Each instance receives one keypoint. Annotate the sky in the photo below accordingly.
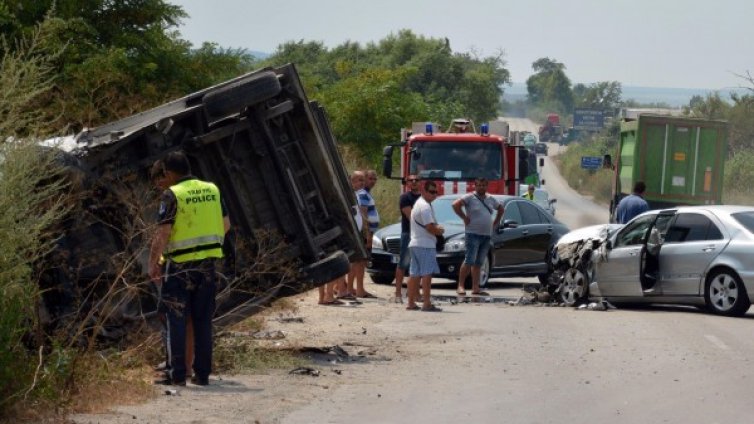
(646, 43)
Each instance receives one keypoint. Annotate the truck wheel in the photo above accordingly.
(231, 99)
(327, 269)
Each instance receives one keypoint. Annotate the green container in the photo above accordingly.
(681, 160)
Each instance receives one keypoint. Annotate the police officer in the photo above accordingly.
(192, 222)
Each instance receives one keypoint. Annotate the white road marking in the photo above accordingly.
(717, 342)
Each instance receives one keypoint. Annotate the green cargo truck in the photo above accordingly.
(680, 159)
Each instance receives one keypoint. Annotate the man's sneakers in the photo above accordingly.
(199, 381)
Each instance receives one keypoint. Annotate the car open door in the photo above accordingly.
(619, 274)
(650, 274)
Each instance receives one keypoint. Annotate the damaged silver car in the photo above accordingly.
(694, 255)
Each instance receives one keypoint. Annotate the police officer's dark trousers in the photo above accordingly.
(189, 293)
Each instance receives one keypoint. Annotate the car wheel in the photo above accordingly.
(574, 288)
(382, 278)
(725, 294)
(484, 273)
(231, 99)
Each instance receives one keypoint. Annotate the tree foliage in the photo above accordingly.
(372, 91)
(550, 85)
(30, 204)
(119, 56)
(605, 95)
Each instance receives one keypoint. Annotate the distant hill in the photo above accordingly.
(674, 97)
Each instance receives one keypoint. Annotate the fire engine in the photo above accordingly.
(454, 159)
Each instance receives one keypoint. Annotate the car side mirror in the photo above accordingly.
(609, 245)
(553, 201)
(541, 162)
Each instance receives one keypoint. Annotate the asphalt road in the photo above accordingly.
(526, 364)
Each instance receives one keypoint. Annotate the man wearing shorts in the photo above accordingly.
(476, 210)
(405, 204)
(424, 229)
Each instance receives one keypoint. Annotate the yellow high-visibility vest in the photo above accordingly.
(198, 230)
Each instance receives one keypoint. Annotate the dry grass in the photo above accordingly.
(99, 381)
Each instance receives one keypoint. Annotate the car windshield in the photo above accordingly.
(746, 219)
(444, 212)
(456, 160)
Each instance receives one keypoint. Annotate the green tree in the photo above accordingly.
(368, 110)
(605, 95)
(711, 106)
(121, 56)
(31, 202)
(416, 78)
(549, 85)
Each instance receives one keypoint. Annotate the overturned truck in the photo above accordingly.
(273, 156)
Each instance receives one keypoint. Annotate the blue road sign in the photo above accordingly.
(588, 119)
(591, 162)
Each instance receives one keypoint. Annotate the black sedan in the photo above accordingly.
(521, 246)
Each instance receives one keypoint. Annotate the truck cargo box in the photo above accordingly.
(681, 160)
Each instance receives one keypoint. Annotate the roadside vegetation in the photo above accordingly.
(550, 90)
(67, 65)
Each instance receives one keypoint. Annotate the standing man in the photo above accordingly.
(423, 248)
(479, 208)
(366, 200)
(405, 204)
(192, 223)
(529, 195)
(632, 205)
(358, 267)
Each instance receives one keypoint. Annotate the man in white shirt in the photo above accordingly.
(424, 232)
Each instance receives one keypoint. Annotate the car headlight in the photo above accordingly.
(377, 243)
(455, 245)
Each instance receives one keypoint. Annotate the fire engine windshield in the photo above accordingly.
(456, 160)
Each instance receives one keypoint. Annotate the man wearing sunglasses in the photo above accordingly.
(423, 248)
(405, 204)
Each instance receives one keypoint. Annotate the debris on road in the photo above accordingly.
(304, 371)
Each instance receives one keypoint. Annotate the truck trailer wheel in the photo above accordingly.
(231, 99)
(327, 269)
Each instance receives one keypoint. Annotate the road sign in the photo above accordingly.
(591, 162)
(588, 119)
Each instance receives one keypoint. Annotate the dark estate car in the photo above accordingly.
(521, 245)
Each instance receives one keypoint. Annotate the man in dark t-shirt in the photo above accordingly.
(405, 204)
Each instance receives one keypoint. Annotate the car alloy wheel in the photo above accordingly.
(484, 273)
(725, 294)
(574, 287)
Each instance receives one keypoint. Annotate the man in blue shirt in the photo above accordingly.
(632, 205)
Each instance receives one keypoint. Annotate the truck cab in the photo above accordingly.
(455, 159)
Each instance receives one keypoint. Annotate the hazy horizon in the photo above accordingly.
(674, 97)
(643, 43)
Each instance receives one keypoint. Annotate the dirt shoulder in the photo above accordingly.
(268, 397)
